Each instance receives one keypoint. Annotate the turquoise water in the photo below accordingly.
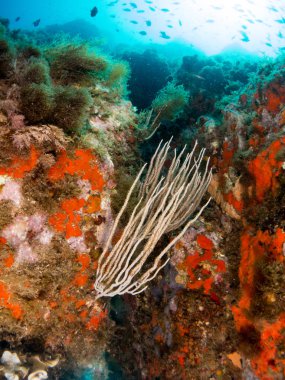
(252, 25)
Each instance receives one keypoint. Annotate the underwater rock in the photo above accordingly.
(55, 214)
(73, 28)
(229, 268)
(149, 74)
(53, 238)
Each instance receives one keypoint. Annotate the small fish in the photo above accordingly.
(244, 27)
(164, 10)
(268, 44)
(180, 22)
(134, 5)
(250, 21)
(169, 26)
(272, 9)
(210, 21)
(148, 1)
(127, 10)
(141, 11)
(143, 32)
(134, 22)
(281, 21)
(112, 3)
(17, 19)
(148, 23)
(280, 35)
(152, 9)
(37, 22)
(245, 37)
(93, 11)
(197, 76)
(164, 35)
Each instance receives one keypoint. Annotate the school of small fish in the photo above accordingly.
(143, 16)
(141, 7)
(138, 12)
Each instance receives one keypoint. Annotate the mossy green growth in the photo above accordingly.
(170, 101)
(30, 51)
(119, 71)
(117, 77)
(36, 102)
(7, 50)
(4, 22)
(75, 65)
(37, 72)
(6, 58)
(71, 107)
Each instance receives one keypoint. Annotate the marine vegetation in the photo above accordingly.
(70, 65)
(6, 53)
(71, 107)
(56, 84)
(117, 77)
(37, 71)
(170, 101)
(37, 102)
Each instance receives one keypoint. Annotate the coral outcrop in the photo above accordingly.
(217, 311)
(55, 213)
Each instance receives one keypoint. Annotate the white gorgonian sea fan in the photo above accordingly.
(166, 202)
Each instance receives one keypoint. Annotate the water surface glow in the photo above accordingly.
(255, 25)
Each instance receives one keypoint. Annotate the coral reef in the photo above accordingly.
(55, 214)
(71, 145)
(217, 311)
(54, 229)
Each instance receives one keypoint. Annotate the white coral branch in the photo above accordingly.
(165, 204)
